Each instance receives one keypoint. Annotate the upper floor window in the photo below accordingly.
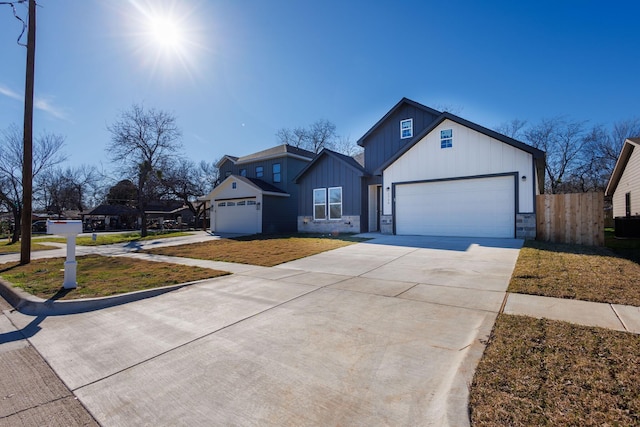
(227, 173)
(259, 171)
(243, 172)
(406, 128)
(446, 138)
(234, 185)
(277, 176)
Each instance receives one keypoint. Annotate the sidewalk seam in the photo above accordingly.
(619, 318)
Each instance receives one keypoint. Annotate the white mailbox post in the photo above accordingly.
(70, 229)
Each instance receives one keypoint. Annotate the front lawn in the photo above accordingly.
(261, 250)
(9, 248)
(113, 238)
(100, 276)
(550, 373)
(578, 272)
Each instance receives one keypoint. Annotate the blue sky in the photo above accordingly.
(244, 69)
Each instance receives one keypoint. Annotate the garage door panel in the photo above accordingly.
(481, 207)
(237, 216)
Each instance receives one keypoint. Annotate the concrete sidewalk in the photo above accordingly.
(610, 316)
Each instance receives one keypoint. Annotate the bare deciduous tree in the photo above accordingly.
(188, 181)
(46, 154)
(320, 134)
(144, 144)
(68, 189)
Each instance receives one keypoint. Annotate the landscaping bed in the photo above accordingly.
(261, 250)
(100, 276)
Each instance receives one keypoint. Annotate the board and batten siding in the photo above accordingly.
(629, 183)
(472, 154)
(325, 174)
(385, 141)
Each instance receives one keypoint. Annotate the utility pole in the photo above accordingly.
(27, 162)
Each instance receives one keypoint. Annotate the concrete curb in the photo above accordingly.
(31, 305)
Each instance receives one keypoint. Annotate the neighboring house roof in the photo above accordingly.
(262, 186)
(273, 152)
(627, 149)
(392, 111)
(349, 161)
(537, 154)
(113, 210)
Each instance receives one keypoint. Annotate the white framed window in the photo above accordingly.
(251, 202)
(277, 177)
(446, 138)
(242, 203)
(231, 203)
(335, 203)
(243, 172)
(319, 203)
(234, 185)
(222, 204)
(406, 128)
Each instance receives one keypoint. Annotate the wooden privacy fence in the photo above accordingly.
(571, 218)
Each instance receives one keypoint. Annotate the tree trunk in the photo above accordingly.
(17, 217)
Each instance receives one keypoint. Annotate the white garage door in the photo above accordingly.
(482, 207)
(237, 216)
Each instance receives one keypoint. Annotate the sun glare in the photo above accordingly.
(165, 32)
(165, 36)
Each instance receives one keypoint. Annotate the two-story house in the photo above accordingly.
(257, 194)
(425, 172)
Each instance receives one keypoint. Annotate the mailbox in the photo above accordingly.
(64, 228)
(70, 229)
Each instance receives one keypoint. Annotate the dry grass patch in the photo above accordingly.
(266, 251)
(544, 372)
(578, 272)
(100, 276)
(8, 248)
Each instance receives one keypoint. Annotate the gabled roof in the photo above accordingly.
(113, 210)
(273, 152)
(627, 149)
(537, 154)
(259, 185)
(402, 102)
(349, 161)
(262, 185)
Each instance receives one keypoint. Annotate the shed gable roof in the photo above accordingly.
(330, 154)
(627, 149)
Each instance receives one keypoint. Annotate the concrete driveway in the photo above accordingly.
(386, 332)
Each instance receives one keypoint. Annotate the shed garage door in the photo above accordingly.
(481, 207)
(237, 216)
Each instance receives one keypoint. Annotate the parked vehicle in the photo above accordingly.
(39, 227)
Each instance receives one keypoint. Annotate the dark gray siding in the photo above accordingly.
(385, 141)
(289, 168)
(329, 172)
(279, 215)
